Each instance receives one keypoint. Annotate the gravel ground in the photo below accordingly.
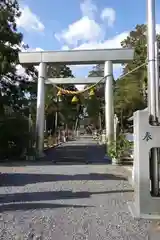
(81, 202)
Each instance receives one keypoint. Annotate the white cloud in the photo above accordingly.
(85, 29)
(108, 14)
(114, 42)
(38, 49)
(87, 33)
(88, 8)
(29, 21)
(65, 48)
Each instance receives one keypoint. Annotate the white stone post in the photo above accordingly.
(115, 127)
(40, 109)
(109, 107)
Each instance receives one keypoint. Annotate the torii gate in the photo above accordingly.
(108, 57)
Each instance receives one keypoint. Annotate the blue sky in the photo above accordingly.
(69, 24)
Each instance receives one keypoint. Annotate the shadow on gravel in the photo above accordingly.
(21, 179)
(36, 206)
(55, 195)
(19, 198)
(72, 153)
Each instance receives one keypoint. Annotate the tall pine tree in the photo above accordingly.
(12, 85)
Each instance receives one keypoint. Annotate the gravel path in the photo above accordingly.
(68, 202)
(85, 202)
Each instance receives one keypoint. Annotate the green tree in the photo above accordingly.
(67, 112)
(127, 99)
(93, 110)
(97, 71)
(95, 104)
(137, 39)
(13, 86)
(9, 10)
(130, 92)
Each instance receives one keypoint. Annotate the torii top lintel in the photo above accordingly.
(75, 57)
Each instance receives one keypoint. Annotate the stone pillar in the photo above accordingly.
(109, 105)
(40, 109)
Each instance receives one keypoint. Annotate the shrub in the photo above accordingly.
(14, 136)
(119, 148)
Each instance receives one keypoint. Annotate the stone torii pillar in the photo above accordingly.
(40, 120)
(109, 105)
